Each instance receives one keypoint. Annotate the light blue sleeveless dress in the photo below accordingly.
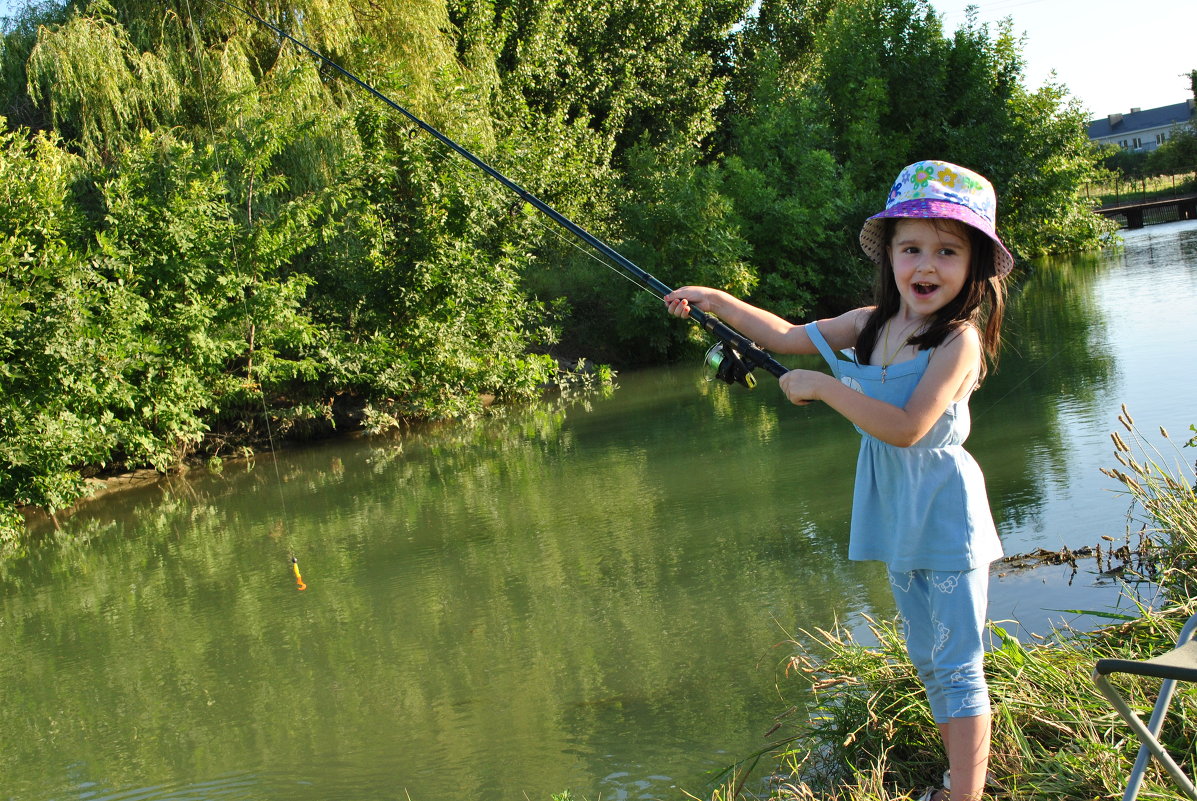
(918, 508)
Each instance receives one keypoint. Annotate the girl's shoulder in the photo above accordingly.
(959, 359)
(842, 331)
(859, 318)
(965, 335)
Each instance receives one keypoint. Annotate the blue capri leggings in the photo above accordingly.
(943, 618)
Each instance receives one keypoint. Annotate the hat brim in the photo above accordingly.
(872, 233)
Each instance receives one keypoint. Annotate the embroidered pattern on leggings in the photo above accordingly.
(948, 585)
(908, 575)
(942, 633)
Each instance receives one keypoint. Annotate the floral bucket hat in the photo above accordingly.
(937, 189)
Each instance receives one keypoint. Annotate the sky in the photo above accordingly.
(1112, 55)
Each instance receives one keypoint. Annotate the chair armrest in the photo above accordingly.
(1180, 664)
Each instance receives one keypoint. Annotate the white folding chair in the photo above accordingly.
(1179, 664)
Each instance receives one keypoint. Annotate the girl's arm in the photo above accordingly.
(950, 375)
(763, 327)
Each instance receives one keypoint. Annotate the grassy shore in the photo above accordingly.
(870, 736)
(1159, 187)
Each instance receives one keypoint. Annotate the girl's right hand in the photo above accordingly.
(801, 386)
(679, 301)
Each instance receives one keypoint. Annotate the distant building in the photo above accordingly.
(1142, 129)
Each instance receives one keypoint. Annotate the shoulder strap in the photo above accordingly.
(816, 336)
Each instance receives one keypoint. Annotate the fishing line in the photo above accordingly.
(745, 355)
(249, 368)
(1020, 382)
(441, 156)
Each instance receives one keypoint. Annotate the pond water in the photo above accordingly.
(593, 595)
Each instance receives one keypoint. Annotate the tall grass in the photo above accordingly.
(1162, 491)
(870, 736)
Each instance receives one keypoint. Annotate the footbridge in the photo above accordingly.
(1138, 214)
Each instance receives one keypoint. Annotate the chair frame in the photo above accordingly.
(1148, 734)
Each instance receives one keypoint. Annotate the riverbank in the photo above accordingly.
(869, 735)
(257, 438)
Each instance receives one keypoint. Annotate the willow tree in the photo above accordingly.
(97, 87)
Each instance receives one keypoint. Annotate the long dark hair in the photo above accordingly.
(980, 303)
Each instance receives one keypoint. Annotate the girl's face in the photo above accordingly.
(931, 260)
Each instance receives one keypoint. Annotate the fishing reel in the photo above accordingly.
(725, 363)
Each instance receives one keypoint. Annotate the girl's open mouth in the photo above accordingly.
(925, 289)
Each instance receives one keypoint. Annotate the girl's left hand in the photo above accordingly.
(801, 386)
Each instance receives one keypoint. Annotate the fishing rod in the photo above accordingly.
(733, 357)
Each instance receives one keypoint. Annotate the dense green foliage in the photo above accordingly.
(205, 232)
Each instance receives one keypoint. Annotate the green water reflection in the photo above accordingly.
(590, 595)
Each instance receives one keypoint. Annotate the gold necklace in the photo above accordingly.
(886, 356)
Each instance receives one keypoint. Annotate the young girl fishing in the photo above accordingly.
(911, 363)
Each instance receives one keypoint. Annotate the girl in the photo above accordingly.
(919, 503)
